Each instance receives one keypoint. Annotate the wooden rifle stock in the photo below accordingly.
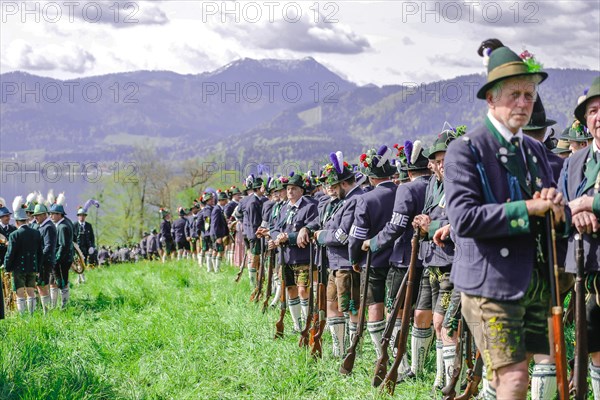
(269, 280)
(261, 271)
(348, 362)
(303, 342)
(283, 307)
(557, 312)
(449, 391)
(382, 362)
(473, 379)
(389, 383)
(580, 388)
(239, 274)
(316, 340)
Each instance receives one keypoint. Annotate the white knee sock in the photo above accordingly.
(419, 344)
(31, 303)
(395, 331)
(208, 261)
(376, 329)
(252, 276)
(54, 296)
(304, 309)
(439, 363)
(21, 305)
(543, 382)
(595, 375)
(277, 294)
(295, 312)
(337, 327)
(448, 354)
(45, 303)
(65, 296)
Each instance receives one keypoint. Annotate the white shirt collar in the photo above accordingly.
(595, 146)
(61, 220)
(506, 134)
(297, 205)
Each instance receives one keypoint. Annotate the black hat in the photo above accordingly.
(538, 117)
(413, 156)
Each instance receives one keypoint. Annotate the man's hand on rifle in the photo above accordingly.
(441, 235)
(262, 232)
(366, 245)
(583, 203)
(282, 238)
(271, 245)
(356, 268)
(303, 238)
(315, 237)
(586, 222)
(549, 199)
(421, 222)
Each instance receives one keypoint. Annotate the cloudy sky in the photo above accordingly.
(381, 42)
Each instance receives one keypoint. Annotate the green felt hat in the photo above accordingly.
(538, 117)
(274, 185)
(234, 190)
(163, 212)
(336, 171)
(576, 133)
(562, 147)
(20, 214)
(503, 63)
(40, 209)
(207, 196)
(222, 195)
(295, 179)
(253, 182)
(376, 163)
(445, 138)
(593, 92)
(57, 209)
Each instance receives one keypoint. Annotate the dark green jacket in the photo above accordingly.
(24, 254)
(64, 243)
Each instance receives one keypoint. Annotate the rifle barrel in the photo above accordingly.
(348, 362)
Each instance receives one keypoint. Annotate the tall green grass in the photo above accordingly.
(174, 331)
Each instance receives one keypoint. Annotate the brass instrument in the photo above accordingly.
(78, 264)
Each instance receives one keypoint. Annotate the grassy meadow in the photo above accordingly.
(173, 331)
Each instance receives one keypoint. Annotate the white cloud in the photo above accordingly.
(305, 35)
(68, 57)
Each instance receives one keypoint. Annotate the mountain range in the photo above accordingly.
(249, 110)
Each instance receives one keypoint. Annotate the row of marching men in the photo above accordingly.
(39, 249)
(479, 239)
(204, 231)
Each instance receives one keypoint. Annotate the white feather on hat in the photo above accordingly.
(417, 146)
(17, 203)
(31, 197)
(2, 202)
(60, 200)
(387, 156)
(39, 198)
(50, 198)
